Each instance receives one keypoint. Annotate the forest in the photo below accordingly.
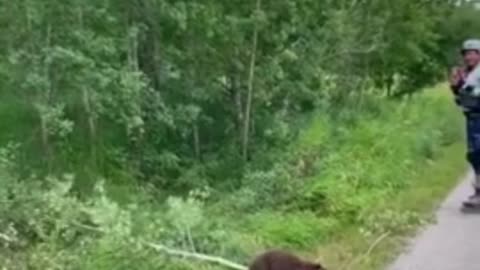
(223, 128)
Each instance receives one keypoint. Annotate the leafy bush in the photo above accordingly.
(331, 176)
(291, 230)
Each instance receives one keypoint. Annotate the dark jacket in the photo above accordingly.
(463, 92)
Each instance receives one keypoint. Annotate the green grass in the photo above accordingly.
(382, 172)
(328, 194)
(431, 186)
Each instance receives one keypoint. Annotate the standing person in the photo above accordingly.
(465, 84)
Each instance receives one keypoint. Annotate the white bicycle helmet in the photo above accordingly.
(471, 44)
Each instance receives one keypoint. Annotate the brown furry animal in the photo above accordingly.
(281, 260)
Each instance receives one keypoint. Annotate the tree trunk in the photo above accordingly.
(45, 101)
(389, 85)
(237, 99)
(196, 141)
(251, 77)
(87, 106)
(92, 129)
(45, 140)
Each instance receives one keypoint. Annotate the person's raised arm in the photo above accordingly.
(457, 79)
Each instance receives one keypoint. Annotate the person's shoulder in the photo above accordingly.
(473, 77)
(476, 71)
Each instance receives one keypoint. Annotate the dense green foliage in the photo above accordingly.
(158, 87)
(331, 177)
(196, 123)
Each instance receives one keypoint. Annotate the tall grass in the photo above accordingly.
(332, 179)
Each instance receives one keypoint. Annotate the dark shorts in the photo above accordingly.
(473, 133)
(473, 142)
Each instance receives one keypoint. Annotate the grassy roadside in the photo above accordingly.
(330, 194)
(433, 183)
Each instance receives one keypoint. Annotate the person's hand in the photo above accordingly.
(456, 76)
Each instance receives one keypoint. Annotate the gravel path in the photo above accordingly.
(452, 243)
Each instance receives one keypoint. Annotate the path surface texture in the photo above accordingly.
(452, 243)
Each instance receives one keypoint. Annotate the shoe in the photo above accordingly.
(472, 201)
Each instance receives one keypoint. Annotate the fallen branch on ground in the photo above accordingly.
(197, 256)
(6, 238)
(88, 227)
(176, 252)
(369, 251)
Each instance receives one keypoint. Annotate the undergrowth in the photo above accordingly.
(337, 178)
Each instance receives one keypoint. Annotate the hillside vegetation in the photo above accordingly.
(222, 127)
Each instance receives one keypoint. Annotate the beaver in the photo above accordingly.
(282, 260)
